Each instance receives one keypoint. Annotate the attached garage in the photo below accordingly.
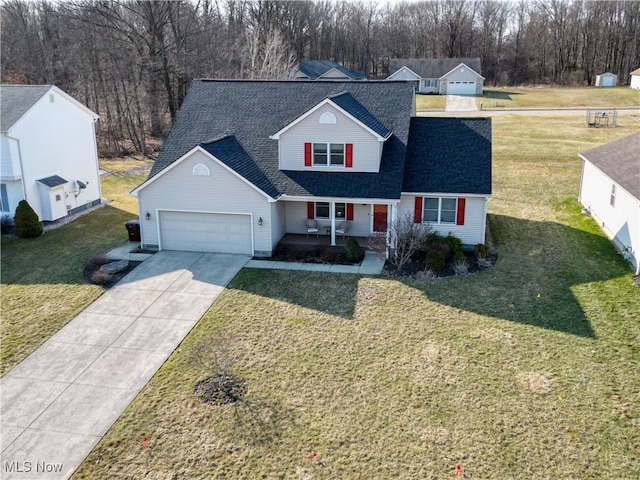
(461, 88)
(205, 232)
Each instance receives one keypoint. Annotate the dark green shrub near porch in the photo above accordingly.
(435, 260)
(26, 222)
(353, 251)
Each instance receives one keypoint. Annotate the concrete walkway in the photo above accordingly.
(460, 103)
(59, 402)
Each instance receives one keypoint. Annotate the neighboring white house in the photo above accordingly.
(442, 76)
(606, 79)
(247, 162)
(48, 152)
(610, 190)
(635, 79)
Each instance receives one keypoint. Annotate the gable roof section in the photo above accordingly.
(252, 110)
(318, 68)
(449, 155)
(636, 72)
(16, 100)
(354, 108)
(400, 70)
(433, 67)
(619, 160)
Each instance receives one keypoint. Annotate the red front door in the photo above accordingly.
(379, 218)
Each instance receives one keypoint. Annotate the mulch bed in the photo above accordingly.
(106, 281)
(415, 268)
(318, 254)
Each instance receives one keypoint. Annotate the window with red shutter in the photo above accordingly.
(417, 214)
(349, 155)
(460, 212)
(311, 210)
(307, 154)
(350, 212)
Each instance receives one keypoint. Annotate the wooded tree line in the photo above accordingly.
(132, 61)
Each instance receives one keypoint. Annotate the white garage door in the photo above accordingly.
(205, 232)
(461, 88)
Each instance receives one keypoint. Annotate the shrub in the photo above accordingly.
(26, 222)
(461, 266)
(353, 250)
(99, 277)
(454, 243)
(481, 250)
(435, 260)
(6, 224)
(459, 257)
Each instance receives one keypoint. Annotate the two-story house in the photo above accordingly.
(247, 162)
(48, 152)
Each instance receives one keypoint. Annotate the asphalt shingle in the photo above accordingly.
(433, 67)
(316, 68)
(16, 100)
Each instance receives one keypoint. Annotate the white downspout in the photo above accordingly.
(332, 215)
(24, 190)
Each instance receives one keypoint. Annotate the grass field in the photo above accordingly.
(527, 370)
(427, 103)
(42, 283)
(558, 97)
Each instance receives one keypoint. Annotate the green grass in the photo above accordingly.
(558, 97)
(42, 280)
(425, 103)
(526, 370)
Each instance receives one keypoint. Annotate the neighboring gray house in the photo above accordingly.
(634, 82)
(606, 79)
(323, 70)
(441, 76)
(247, 162)
(610, 191)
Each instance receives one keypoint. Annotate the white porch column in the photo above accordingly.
(391, 228)
(332, 215)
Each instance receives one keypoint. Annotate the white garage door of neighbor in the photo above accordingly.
(206, 232)
(461, 88)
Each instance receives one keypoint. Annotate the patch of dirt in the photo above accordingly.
(316, 254)
(220, 391)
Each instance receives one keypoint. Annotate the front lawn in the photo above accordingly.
(42, 278)
(526, 370)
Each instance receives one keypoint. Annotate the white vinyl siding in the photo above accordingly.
(473, 230)
(296, 217)
(621, 222)
(366, 148)
(221, 192)
(463, 81)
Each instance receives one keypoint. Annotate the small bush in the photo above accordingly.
(461, 266)
(26, 222)
(435, 260)
(454, 243)
(484, 263)
(6, 224)
(459, 257)
(353, 250)
(100, 278)
(481, 250)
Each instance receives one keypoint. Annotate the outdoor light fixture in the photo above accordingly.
(260, 221)
(147, 216)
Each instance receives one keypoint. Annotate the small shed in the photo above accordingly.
(606, 79)
(635, 79)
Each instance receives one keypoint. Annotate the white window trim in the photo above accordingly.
(612, 198)
(440, 222)
(328, 155)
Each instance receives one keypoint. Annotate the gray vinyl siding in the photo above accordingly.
(473, 230)
(223, 192)
(366, 157)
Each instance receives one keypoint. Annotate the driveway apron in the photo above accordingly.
(60, 401)
(460, 103)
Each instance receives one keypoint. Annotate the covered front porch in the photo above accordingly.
(310, 242)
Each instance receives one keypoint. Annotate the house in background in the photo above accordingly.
(606, 79)
(324, 70)
(635, 79)
(441, 76)
(246, 163)
(48, 152)
(610, 191)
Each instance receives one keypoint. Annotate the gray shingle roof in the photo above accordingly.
(449, 155)
(52, 181)
(433, 67)
(252, 111)
(349, 104)
(316, 68)
(620, 160)
(15, 100)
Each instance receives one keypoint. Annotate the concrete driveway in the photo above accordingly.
(460, 103)
(60, 401)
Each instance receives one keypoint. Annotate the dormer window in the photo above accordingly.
(328, 154)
